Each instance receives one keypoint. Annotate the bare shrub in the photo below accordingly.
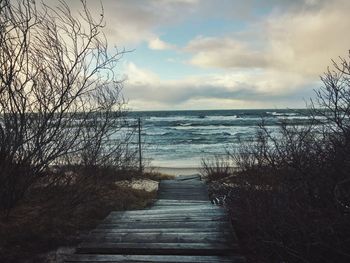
(59, 94)
(289, 196)
(215, 168)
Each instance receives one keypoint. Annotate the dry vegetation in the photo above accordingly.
(64, 138)
(157, 176)
(289, 195)
(36, 226)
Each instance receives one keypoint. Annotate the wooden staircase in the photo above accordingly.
(182, 226)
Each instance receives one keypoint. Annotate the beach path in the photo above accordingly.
(181, 226)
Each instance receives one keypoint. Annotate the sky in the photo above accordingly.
(224, 54)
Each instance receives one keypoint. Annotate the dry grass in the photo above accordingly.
(30, 231)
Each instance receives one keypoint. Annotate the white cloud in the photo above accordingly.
(158, 44)
(136, 76)
(224, 52)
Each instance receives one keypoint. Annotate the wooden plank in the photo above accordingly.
(162, 230)
(165, 221)
(158, 213)
(172, 210)
(181, 201)
(198, 214)
(155, 225)
(124, 232)
(184, 197)
(170, 214)
(176, 210)
(157, 248)
(211, 216)
(176, 238)
(181, 204)
(173, 219)
(165, 235)
(154, 258)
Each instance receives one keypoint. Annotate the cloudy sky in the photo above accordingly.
(224, 54)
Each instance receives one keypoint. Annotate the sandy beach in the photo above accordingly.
(174, 170)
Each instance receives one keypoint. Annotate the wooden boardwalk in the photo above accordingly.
(182, 226)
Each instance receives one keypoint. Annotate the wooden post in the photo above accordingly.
(140, 154)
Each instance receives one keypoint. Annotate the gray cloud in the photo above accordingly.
(182, 97)
(301, 42)
(146, 88)
(225, 52)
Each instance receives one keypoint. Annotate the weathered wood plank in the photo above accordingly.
(155, 258)
(166, 217)
(157, 248)
(169, 225)
(181, 201)
(168, 211)
(157, 210)
(198, 215)
(161, 239)
(166, 220)
(174, 204)
(162, 230)
(165, 235)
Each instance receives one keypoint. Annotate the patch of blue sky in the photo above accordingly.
(181, 34)
(167, 64)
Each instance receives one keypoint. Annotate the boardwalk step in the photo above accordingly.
(160, 239)
(169, 225)
(161, 220)
(181, 201)
(155, 258)
(157, 248)
(170, 215)
(181, 226)
(158, 210)
(178, 235)
(162, 230)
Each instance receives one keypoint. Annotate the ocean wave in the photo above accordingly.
(183, 119)
(213, 133)
(155, 133)
(174, 118)
(222, 118)
(180, 128)
(185, 124)
(275, 113)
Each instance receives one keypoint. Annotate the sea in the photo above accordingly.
(181, 139)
